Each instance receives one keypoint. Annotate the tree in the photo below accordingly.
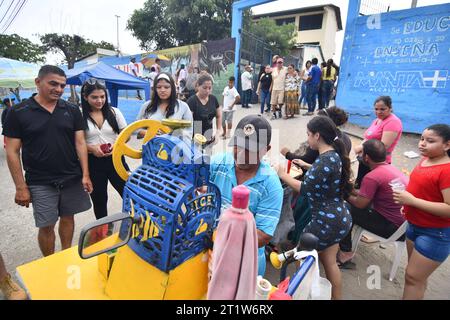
(17, 48)
(150, 26)
(280, 38)
(73, 47)
(166, 23)
(199, 20)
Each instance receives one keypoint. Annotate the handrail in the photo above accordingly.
(302, 272)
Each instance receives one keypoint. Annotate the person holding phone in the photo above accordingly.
(103, 125)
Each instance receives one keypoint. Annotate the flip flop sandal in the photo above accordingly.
(347, 265)
(368, 240)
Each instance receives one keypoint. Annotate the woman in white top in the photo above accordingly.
(304, 76)
(164, 104)
(103, 125)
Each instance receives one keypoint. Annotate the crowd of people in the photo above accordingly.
(277, 86)
(373, 200)
(280, 86)
(61, 176)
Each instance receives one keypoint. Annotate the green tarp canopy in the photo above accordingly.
(17, 74)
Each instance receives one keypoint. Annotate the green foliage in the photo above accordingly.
(163, 24)
(17, 48)
(280, 38)
(199, 20)
(150, 26)
(73, 47)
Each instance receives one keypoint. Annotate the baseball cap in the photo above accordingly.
(253, 133)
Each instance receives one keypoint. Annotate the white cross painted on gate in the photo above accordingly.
(432, 60)
(366, 61)
(435, 79)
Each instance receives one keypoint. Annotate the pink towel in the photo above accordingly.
(235, 258)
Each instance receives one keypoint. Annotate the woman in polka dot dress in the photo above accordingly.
(327, 185)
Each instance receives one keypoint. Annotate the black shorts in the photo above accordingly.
(53, 201)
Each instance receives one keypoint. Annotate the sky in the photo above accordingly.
(95, 19)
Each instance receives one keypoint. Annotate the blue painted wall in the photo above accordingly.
(406, 55)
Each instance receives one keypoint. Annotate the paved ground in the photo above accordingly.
(18, 243)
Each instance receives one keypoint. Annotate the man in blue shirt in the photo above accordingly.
(244, 166)
(313, 83)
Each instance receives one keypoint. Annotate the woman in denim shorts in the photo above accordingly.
(427, 208)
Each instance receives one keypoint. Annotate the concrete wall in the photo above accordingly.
(404, 54)
(330, 29)
(326, 36)
(310, 52)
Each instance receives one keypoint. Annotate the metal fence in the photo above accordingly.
(369, 7)
(254, 51)
(258, 53)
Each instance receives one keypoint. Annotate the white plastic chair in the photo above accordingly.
(400, 246)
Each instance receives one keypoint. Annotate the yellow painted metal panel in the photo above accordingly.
(190, 280)
(63, 276)
(132, 278)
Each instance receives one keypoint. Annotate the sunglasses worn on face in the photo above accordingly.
(94, 81)
(280, 62)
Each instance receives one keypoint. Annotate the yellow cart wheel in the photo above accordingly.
(122, 149)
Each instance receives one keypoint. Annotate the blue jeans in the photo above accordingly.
(261, 262)
(303, 95)
(247, 98)
(313, 91)
(432, 243)
(265, 100)
(327, 91)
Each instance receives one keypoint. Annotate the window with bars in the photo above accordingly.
(311, 22)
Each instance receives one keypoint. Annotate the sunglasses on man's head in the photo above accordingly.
(94, 81)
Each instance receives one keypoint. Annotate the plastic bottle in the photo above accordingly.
(397, 185)
(263, 289)
(240, 199)
(235, 253)
(280, 292)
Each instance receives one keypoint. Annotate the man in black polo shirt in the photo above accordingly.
(50, 133)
